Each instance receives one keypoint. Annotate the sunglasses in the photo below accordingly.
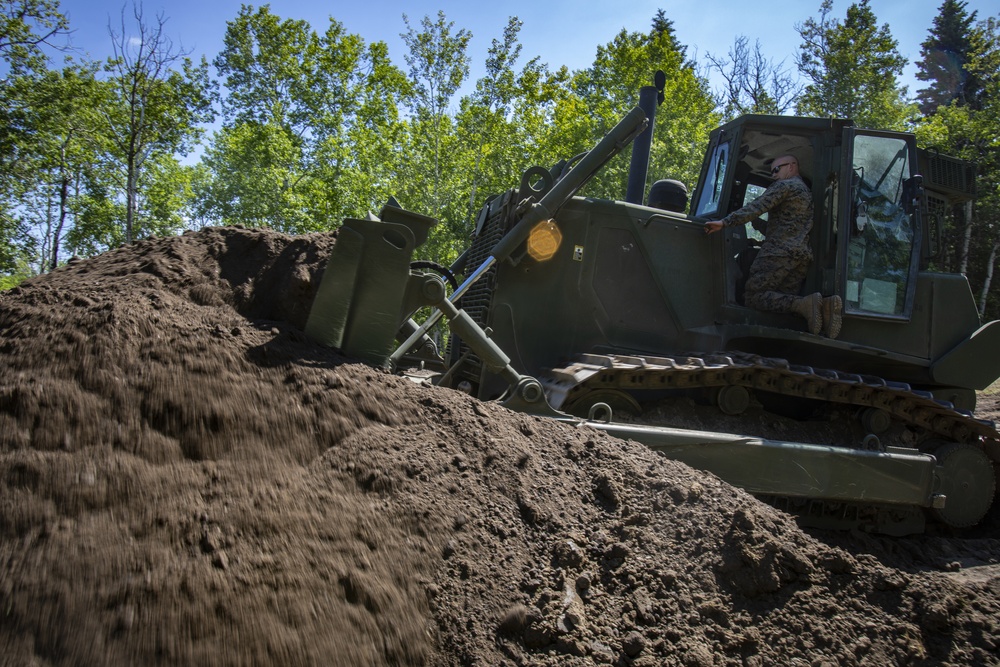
(776, 168)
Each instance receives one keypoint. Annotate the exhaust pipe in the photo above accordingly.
(649, 98)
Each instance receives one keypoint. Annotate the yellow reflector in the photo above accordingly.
(544, 240)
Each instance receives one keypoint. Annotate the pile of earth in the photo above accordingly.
(186, 479)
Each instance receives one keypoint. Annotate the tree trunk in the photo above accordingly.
(130, 202)
(963, 261)
(63, 207)
(987, 280)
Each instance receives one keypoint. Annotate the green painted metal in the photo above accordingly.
(360, 300)
(795, 469)
(629, 279)
(972, 363)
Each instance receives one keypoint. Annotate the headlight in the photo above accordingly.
(544, 241)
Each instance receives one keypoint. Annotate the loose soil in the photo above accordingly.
(186, 480)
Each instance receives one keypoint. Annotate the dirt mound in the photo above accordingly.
(185, 479)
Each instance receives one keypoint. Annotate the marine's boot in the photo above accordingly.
(811, 308)
(833, 312)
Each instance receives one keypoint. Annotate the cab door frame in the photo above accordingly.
(879, 247)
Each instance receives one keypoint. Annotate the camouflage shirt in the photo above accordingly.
(789, 206)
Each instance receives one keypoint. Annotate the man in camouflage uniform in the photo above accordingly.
(777, 273)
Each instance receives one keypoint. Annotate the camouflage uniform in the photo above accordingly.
(777, 273)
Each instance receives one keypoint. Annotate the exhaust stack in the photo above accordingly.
(650, 97)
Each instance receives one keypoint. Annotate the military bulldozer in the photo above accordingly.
(603, 312)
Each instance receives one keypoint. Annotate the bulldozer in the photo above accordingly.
(602, 312)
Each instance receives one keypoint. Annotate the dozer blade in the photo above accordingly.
(359, 302)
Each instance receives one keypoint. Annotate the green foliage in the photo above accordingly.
(972, 132)
(852, 69)
(168, 192)
(83, 154)
(499, 123)
(609, 88)
(944, 57)
(13, 277)
(255, 178)
(51, 145)
(311, 124)
(439, 64)
(319, 126)
(98, 216)
(161, 98)
(25, 26)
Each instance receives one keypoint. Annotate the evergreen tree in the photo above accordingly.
(944, 57)
(972, 132)
(852, 68)
(664, 26)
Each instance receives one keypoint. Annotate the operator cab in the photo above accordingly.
(873, 265)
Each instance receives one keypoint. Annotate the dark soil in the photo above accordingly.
(186, 480)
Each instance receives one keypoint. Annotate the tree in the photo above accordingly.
(375, 132)
(972, 132)
(308, 117)
(500, 130)
(852, 68)
(487, 121)
(944, 56)
(609, 89)
(439, 64)
(359, 125)
(984, 67)
(753, 83)
(255, 179)
(61, 112)
(25, 26)
(665, 27)
(261, 161)
(157, 109)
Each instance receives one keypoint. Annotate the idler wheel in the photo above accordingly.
(968, 482)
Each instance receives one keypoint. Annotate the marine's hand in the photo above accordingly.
(713, 226)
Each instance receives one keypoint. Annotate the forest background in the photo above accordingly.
(295, 127)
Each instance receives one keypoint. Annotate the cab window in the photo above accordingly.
(754, 191)
(711, 194)
(882, 232)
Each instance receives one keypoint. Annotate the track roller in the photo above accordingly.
(733, 399)
(619, 402)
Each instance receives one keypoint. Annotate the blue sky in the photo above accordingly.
(561, 32)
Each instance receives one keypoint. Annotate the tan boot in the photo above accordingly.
(811, 308)
(833, 312)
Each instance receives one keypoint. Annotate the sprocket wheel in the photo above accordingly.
(968, 483)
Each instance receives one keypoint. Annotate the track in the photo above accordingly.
(890, 413)
(568, 386)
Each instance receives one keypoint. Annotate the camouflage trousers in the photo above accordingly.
(774, 282)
